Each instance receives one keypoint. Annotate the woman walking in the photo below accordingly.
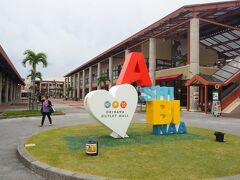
(46, 110)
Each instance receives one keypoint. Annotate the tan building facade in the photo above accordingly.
(10, 80)
(185, 43)
(53, 87)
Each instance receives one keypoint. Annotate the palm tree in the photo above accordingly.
(34, 75)
(69, 89)
(33, 59)
(103, 80)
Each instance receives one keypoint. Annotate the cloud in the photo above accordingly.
(74, 31)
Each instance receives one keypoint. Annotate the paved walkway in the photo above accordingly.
(11, 130)
(69, 102)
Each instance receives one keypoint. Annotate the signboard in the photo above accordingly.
(215, 96)
(196, 96)
(216, 108)
(114, 109)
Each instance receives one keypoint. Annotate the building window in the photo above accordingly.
(163, 64)
(116, 71)
(86, 80)
(94, 77)
(80, 80)
(76, 78)
(105, 73)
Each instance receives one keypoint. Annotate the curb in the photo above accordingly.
(47, 171)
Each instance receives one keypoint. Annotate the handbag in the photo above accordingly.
(52, 110)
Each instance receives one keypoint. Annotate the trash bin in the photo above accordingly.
(92, 148)
(219, 136)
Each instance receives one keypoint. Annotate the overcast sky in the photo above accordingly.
(73, 31)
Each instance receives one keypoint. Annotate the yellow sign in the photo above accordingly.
(161, 112)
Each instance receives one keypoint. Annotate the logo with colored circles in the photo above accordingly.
(115, 104)
(107, 104)
(123, 104)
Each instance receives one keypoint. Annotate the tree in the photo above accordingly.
(34, 75)
(34, 59)
(102, 80)
(69, 89)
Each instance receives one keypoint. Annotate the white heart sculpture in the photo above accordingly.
(113, 109)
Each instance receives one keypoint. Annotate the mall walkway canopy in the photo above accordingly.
(169, 78)
(219, 22)
(8, 68)
(223, 76)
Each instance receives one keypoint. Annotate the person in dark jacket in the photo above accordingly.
(46, 109)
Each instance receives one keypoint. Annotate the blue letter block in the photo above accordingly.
(182, 128)
(172, 129)
(160, 129)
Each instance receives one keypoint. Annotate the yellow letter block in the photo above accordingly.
(176, 111)
(160, 112)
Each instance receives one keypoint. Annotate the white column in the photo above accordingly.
(14, 90)
(0, 88)
(11, 90)
(48, 88)
(127, 51)
(152, 59)
(71, 85)
(99, 74)
(194, 59)
(40, 86)
(67, 88)
(6, 90)
(55, 89)
(74, 86)
(110, 71)
(90, 79)
(68, 81)
(64, 87)
(78, 85)
(83, 84)
(19, 92)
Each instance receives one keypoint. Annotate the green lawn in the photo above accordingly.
(25, 113)
(143, 155)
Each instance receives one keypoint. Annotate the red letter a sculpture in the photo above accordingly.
(134, 69)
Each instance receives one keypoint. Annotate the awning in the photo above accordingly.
(169, 78)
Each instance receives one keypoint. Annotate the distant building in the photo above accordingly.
(10, 80)
(49, 86)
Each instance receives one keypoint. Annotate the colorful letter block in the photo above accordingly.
(161, 112)
(157, 93)
(170, 129)
(134, 69)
